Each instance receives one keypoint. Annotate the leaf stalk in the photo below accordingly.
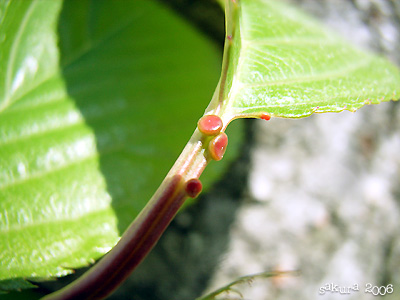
(144, 232)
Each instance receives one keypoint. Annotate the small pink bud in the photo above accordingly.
(193, 187)
(210, 124)
(217, 146)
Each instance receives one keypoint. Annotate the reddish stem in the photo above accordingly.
(134, 245)
(144, 232)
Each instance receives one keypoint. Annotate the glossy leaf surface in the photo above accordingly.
(284, 64)
(97, 99)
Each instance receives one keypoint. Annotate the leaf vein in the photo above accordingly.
(12, 58)
(312, 78)
(19, 227)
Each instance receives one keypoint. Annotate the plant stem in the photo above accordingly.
(144, 232)
(217, 102)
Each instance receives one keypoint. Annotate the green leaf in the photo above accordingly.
(281, 62)
(97, 99)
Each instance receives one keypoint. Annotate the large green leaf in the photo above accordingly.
(283, 63)
(97, 99)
